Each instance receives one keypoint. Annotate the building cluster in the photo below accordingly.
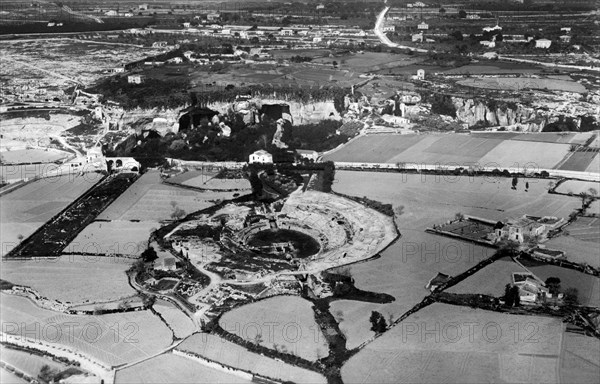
(298, 35)
(526, 228)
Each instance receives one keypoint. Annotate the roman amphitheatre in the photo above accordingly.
(329, 214)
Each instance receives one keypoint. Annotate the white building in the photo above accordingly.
(261, 156)
(543, 43)
(495, 28)
(286, 32)
(135, 79)
(473, 16)
(308, 154)
(389, 28)
(186, 25)
(417, 37)
(423, 26)
(487, 43)
(421, 74)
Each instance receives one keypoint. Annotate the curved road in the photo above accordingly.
(384, 39)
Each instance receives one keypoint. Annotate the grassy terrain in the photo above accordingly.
(294, 328)
(435, 343)
(63, 278)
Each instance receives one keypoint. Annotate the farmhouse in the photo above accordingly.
(168, 264)
(565, 38)
(487, 43)
(548, 254)
(135, 79)
(308, 154)
(526, 227)
(531, 289)
(473, 16)
(543, 43)
(417, 37)
(261, 156)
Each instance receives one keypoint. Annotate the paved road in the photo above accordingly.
(384, 39)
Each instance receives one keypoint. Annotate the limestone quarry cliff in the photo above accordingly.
(547, 109)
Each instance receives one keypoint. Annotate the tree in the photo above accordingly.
(177, 213)
(256, 184)
(571, 296)
(47, 374)
(335, 64)
(457, 35)
(442, 10)
(553, 284)
(515, 181)
(526, 186)
(508, 247)
(378, 324)
(20, 237)
(149, 255)
(514, 291)
(508, 297)
(462, 14)
(459, 216)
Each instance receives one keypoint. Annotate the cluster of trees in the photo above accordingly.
(328, 176)
(511, 296)
(440, 104)
(320, 136)
(152, 93)
(378, 323)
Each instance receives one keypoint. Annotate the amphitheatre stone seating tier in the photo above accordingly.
(348, 230)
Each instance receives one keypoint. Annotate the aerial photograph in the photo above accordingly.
(299, 191)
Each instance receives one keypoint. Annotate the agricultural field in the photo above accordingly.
(112, 339)
(170, 368)
(489, 280)
(577, 251)
(207, 180)
(7, 377)
(406, 266)
(284, 323)
(582, 161)
(27, 208)
(488, 69)
(576, 187)
(63, 278)
(222, 351)
(369, 61)
(524, 154)
(149, 200)
(588, 286)
(516, 83)
(24, 156)
(27, 363)
(579, 358)
(461, 345)
(113, 237)
(181, 325)
(585, 229)
(450, 149)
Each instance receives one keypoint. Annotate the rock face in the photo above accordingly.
(161, 120)
(299, 113)
(473, 112)
(516, 116)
